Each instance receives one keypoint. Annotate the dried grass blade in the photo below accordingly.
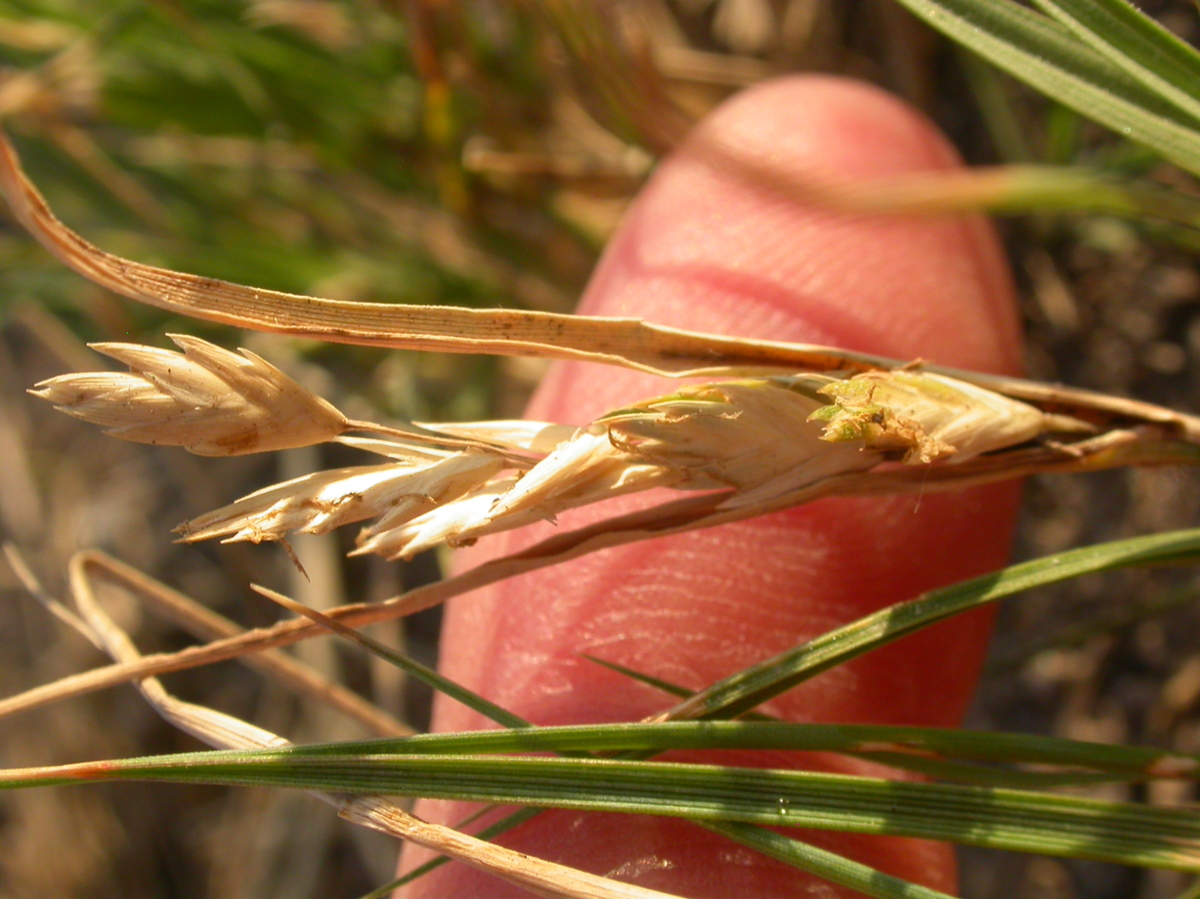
(207, 725)
(34, 588)
(203, 623)
(537, 875)
(616, 341)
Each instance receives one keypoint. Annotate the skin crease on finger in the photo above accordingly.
(705, 250)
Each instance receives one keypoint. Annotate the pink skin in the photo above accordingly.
(703, 250)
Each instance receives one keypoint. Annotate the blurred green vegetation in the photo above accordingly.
(290, 144)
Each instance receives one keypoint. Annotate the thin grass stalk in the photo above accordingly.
(754, 686)
(824, 864)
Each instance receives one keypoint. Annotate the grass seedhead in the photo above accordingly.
(208, 400)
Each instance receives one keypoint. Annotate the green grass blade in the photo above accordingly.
(1001, 819)
(966, 773)
(754, 686)
(1036, 188)
(824, 863)
(657, 683)
(1047, 56)
(1009, 134)
(442, 684)
(1137, 45)
(901, 756)
(409, 666)
(1120, 762)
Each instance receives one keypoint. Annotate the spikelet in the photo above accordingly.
(317, 503)
(207, 400)
(586, 469)
(738, 434)
(924, 418)
(456, 523)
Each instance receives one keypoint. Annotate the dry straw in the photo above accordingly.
(776, 425)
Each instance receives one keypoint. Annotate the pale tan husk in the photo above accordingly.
(209, 400)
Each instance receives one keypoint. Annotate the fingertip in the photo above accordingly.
(704, 250)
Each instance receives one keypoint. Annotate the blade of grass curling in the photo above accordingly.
(823, 863)
(423, 673)
(627, 342)
(994, 818)
(1048, 57)
(753, 686)
(1137, 45)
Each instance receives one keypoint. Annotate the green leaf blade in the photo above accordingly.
(994, 818)
(1050, 58)
(1137, 45)
(754, 686)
